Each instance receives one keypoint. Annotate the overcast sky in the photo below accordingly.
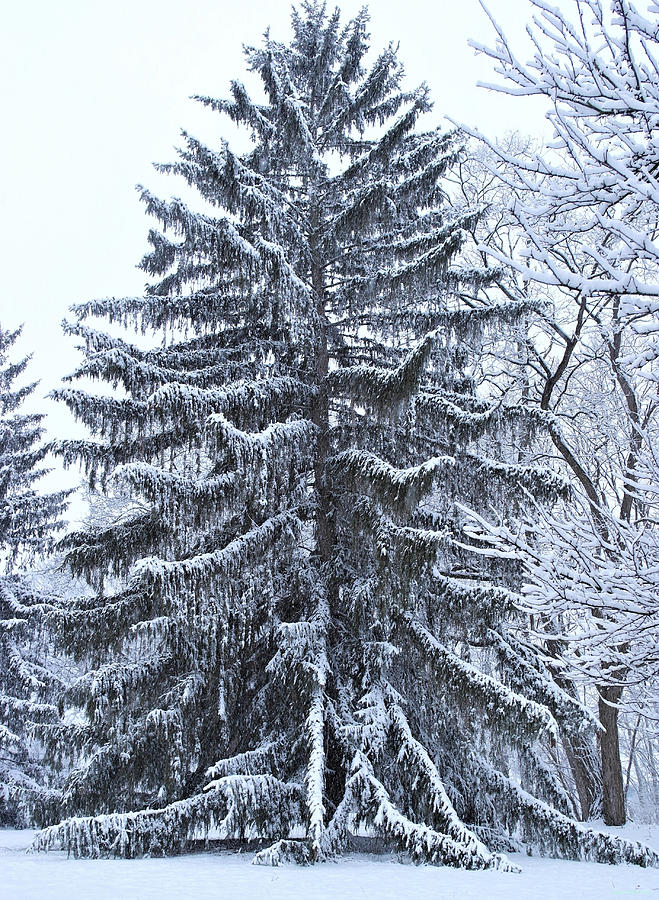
(91, 93)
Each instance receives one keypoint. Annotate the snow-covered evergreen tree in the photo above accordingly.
(28, 520)
(303, 645)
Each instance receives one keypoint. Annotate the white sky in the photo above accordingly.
(92, 92)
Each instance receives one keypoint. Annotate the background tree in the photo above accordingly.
(296, 446)
(28, 520)
(520, 367)
(589, 212)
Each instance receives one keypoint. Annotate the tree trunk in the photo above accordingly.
(613, 805)
(581, 752)
(584, 765)
(325, 532)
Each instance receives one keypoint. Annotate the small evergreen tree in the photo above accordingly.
(27, 522)
(304, 641)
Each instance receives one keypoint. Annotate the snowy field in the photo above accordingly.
(202, 876)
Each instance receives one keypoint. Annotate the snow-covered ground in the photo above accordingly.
(229, 876)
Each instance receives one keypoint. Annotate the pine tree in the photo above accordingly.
(28, 520)
(304, 641)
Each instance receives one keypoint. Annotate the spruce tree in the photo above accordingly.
(28, 520)
(303, 644)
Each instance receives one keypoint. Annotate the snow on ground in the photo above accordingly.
(229, 876)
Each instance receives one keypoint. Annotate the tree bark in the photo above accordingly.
(613, 800)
